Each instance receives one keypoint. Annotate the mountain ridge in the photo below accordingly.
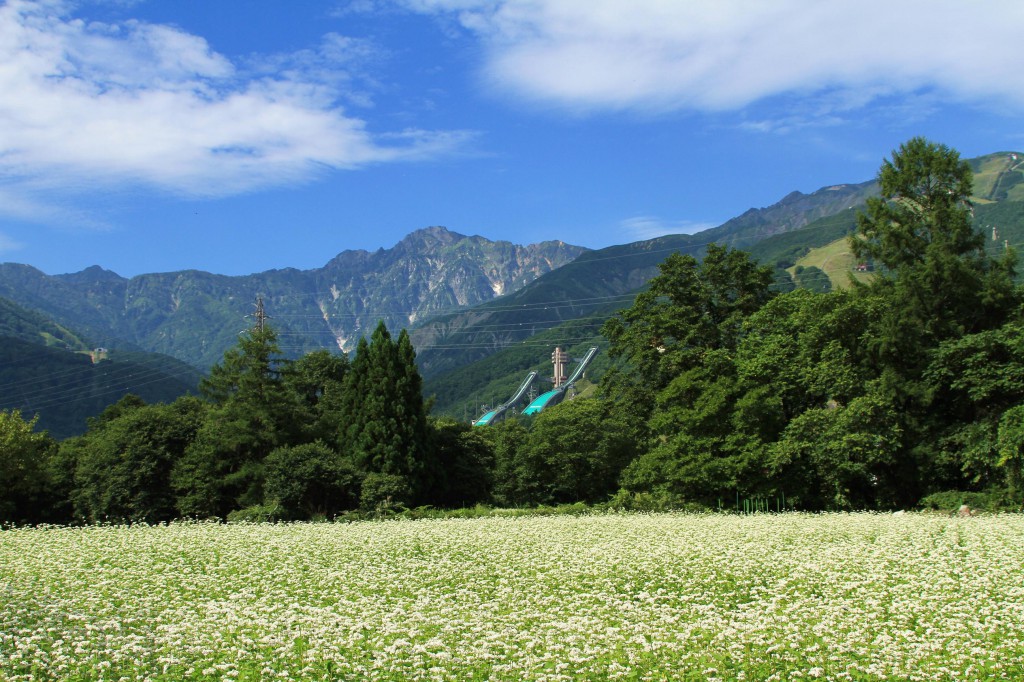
(441, 284)
(195, 315)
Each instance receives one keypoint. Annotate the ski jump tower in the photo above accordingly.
(559, 359)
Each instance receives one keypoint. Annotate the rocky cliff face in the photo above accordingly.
(431, 271)
(195, 316)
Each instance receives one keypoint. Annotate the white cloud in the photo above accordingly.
(346, 8)
(649, 227)
(713, 55)
(83, 103)
(7, 245)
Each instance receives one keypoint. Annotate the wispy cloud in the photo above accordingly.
(715, 55)
(648, 227)
(84, 102)
(344, 8)
(8, 245)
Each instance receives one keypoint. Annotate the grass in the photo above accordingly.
(592, 597)
(836, 261)
(990, 171)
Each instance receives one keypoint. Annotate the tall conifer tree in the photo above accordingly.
(251, 414)
(385, 420)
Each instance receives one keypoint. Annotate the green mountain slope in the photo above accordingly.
(998, 177)
(597, 280)
(49, 370)
(27, 325)
(823, 243)
(66, 388)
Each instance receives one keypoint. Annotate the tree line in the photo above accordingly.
(267, 437)
(869, 397)
(874, 396)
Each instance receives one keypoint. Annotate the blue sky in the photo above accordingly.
(236, 136)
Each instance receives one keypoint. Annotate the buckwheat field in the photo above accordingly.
(634, 597)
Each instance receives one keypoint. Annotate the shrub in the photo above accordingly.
(993, 500)
(384, 493)
(257, 513)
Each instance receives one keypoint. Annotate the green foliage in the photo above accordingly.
(574, 453)
(512, 479)
(696, 455)
(251, 413)
(813, 279)
(680, 338)
(939, 289)
(925, 188)
(26, 488)
(1010, 446)
(841, 457)
(384, 493)
(935, 270)
(317, 380)
(801, 351)
(868, 398)
(310, 481)
(122, 465)
(951, 501)
(462, 464)
(258, 513)
(385, 429)
(973, 382)
(661, 501)
(690, 308)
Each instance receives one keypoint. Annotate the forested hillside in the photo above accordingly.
(895, 392)
(53, 372)
(505, 351)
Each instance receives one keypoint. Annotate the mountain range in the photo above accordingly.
(195, 316)
(480, 312)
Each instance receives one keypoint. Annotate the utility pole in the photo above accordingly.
(261, 315)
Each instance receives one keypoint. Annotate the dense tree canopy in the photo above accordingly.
(126, 473)
(251, 413)
(24, 476)
(871, 397)
(691, 308)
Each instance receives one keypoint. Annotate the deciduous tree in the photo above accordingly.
(311, 480)
(25, 485)
(123, 463)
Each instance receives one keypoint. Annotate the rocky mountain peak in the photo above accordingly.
(195, 316)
